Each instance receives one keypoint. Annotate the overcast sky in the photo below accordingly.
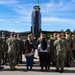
(15, 15)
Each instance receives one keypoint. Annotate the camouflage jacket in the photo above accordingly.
(60, 47)
(12, 44)
(69, 43)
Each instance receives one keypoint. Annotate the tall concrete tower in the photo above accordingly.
(36, 22)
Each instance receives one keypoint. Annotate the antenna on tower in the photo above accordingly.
(38, 2)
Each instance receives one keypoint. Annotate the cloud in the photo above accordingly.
(48, 8)
(59, 7)
(3, 20)
(54, 11)
(23, 9)
(4, 2)
(59, 20)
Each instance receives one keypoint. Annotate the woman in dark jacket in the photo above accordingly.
(29, 52)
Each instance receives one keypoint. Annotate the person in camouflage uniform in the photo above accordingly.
(60, 51)
(4, 48)
(52, 49)
(39, 39)
(62, 36)
(1, 54)
(73, 49)
(12, 51)
(69, 56)
(20, 48)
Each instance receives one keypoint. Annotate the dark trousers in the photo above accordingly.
(73, 52)
(19, 58)
(5, 57)
(29, 61)
(44, 60)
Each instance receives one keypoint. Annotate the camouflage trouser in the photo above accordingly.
(60, 61)
(69, 56)
(19, 57)
(4, 58)
(1, 55)
(53, 57)
(12, 58)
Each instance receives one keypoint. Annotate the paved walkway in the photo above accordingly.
(21, 70)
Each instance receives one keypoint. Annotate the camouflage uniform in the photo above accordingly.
(12, 52)
(5, 49)
(38, 41)
(60, 46)
(52, 51)
(1, 53)
(73, 50)
(69, 47)
(20, 47)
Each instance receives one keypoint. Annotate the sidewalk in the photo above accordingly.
(21, 70)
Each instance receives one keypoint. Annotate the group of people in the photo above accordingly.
(62, 47)
(58, 51)
(11, 50)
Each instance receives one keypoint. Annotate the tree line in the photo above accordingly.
(47, 35)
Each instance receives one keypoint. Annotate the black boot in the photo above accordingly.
(62, 70)
(57, 70)
(1, 67)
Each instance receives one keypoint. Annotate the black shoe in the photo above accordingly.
(69, 65)
(3, 63)
(30, 69)
(61, 71)
(48, 68)
(1, 67)
(41, 69)
(27, 68)
(20, 62)
(57, 70)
